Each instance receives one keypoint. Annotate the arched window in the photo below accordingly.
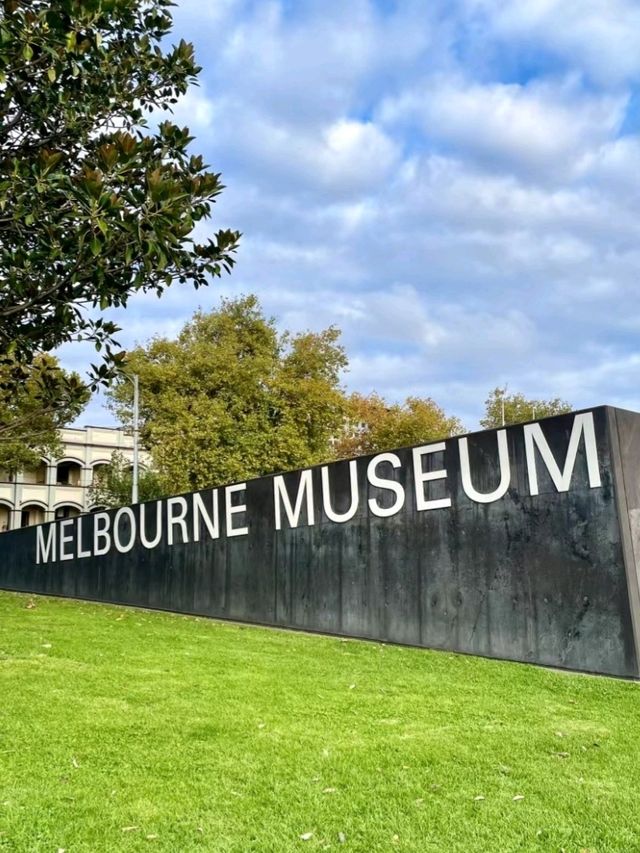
(5, 517)
(31, 514)
(66, 511)
(68, 473)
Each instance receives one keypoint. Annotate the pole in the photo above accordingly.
(134, 480)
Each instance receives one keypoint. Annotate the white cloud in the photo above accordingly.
(195, 110)
(196, 16)
(342, 159)
(599, 37)
(325, 58)
(542, 128)
(613, 166)
(356, 153)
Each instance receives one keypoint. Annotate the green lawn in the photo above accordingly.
(129, 730)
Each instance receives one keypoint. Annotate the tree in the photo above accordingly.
(112, 484)
(231, 398)
(29, 420)
(518, 408)
(94, 205)
(373, 425)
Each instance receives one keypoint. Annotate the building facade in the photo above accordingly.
(61, 488)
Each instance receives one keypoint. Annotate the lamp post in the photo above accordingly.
(134, 474)
(134, 477)
(503, 391)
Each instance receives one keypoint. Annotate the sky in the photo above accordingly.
(455, 184)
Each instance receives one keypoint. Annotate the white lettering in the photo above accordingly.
(421, 477)
(65, 540)
(326, 495)
(305, 493)
(125, 547)
(80, 552)
(382, 483)
(150, 543)
(212, 522)
(45, 552)
(505, 471)
(231, 510)
(101, 533)
(176, 515)
(534, 437)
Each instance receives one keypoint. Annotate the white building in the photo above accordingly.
(60, 488)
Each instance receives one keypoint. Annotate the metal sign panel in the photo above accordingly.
(520, 543)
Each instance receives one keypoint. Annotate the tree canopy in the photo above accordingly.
(232, 398)
(518, 408)
(29, 420)
(372, 424)
(94, 204)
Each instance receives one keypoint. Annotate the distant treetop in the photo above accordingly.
(518, 408)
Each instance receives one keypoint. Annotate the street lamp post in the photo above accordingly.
(134, 474)
(503, 391)
(134, 478)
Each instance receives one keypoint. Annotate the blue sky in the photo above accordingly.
(454, 183)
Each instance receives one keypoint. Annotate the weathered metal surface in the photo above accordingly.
(533, 577)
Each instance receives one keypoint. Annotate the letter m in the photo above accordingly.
(45, 551)
(534, 438)
(281, 498)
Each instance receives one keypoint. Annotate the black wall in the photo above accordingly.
(548, 578)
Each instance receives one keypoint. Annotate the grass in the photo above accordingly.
(127, 730)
